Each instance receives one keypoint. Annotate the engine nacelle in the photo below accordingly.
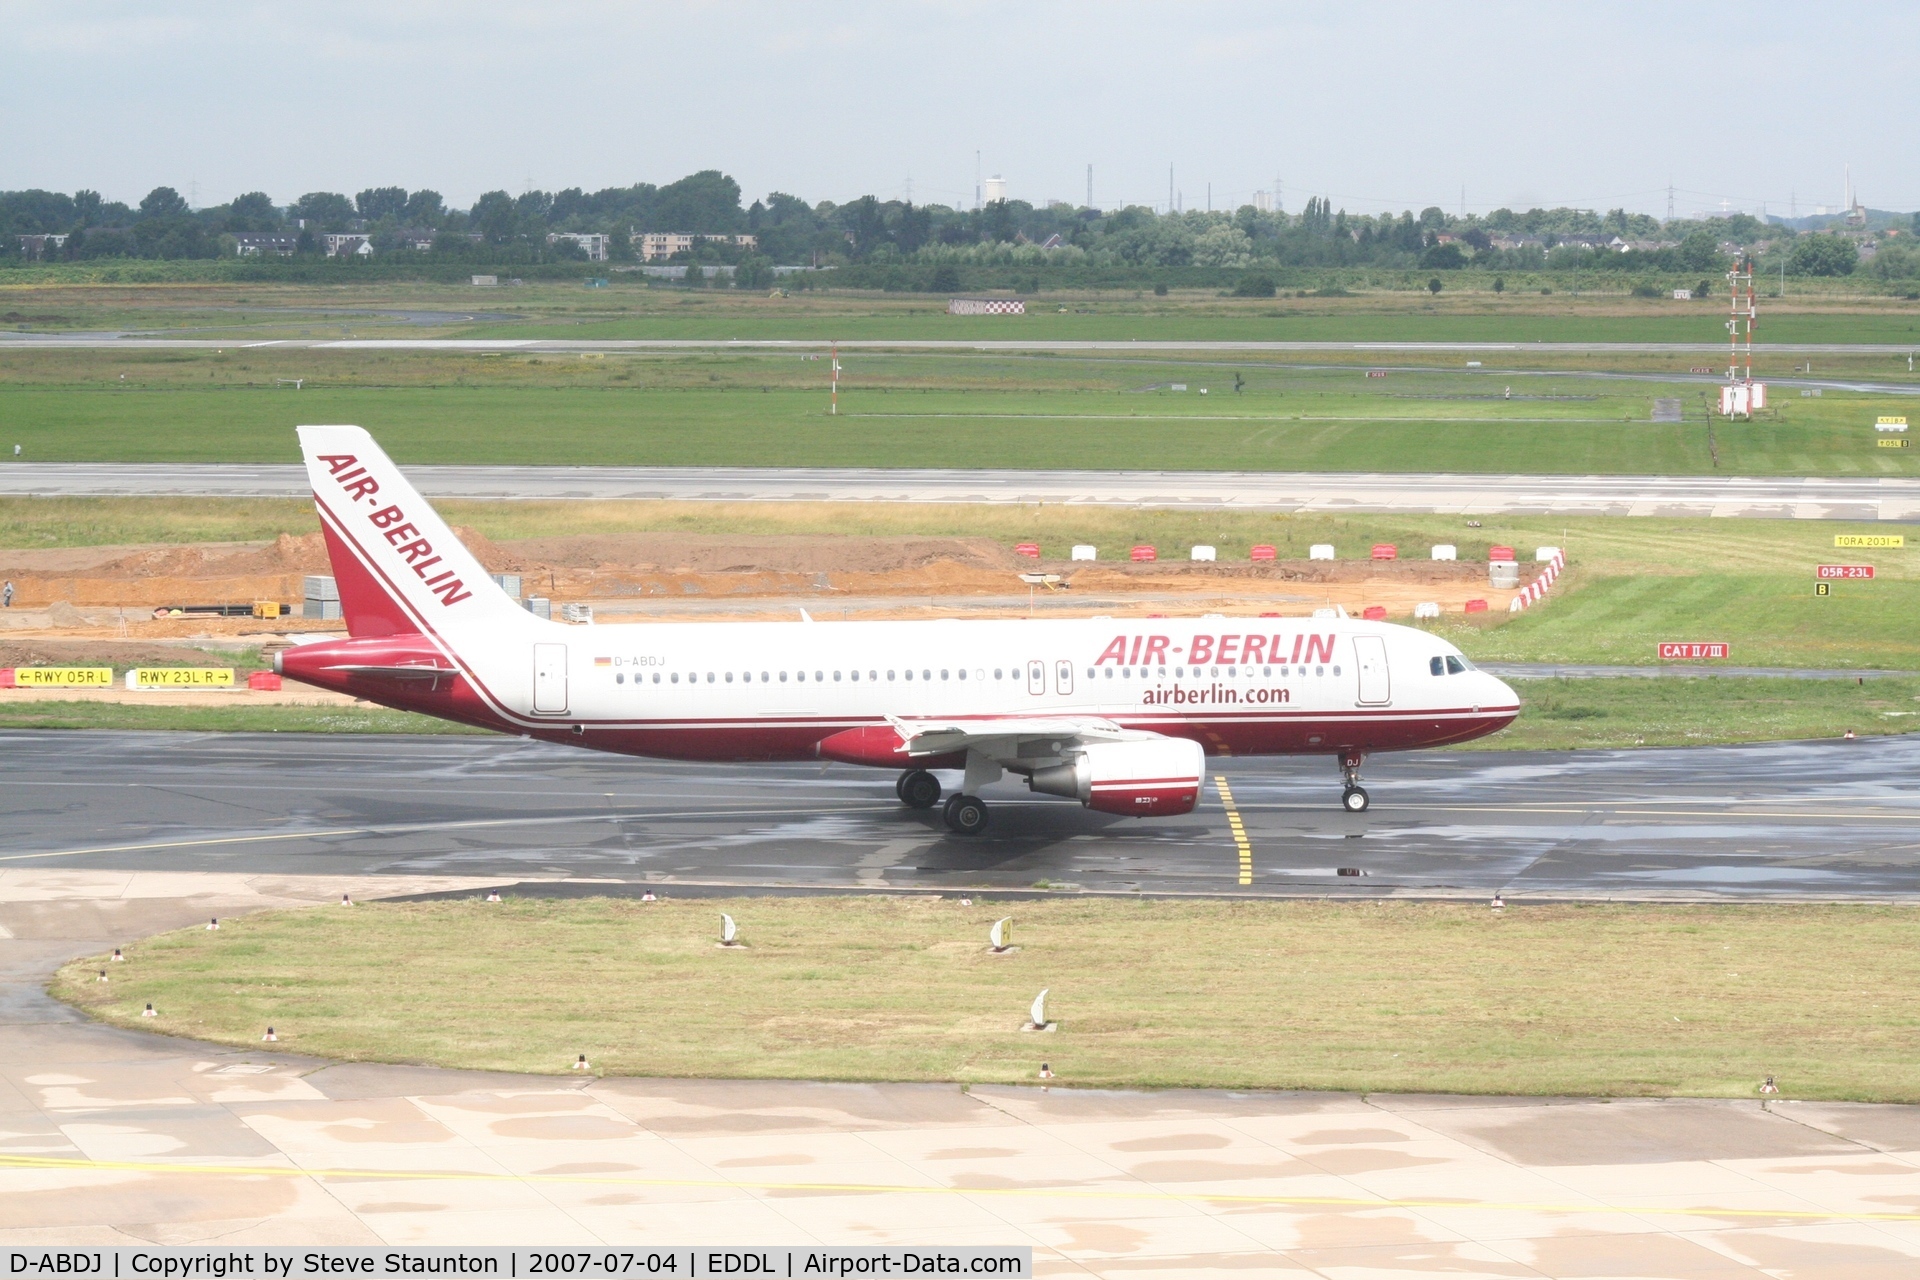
(1151, 778)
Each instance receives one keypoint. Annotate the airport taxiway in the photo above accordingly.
(1782, 497)
(1810, 820)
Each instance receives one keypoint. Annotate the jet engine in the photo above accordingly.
(1148, 778)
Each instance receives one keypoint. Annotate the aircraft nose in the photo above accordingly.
(1499, 692)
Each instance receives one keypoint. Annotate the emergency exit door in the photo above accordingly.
(1036, 678)
(550, 679)
(1376, 686)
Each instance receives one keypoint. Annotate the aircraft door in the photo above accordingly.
(1063, 677)
(1376, 685)
(1036, 677)
(550, 679)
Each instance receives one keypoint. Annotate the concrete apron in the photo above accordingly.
(110, 1136)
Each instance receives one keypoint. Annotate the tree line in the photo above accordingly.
(502, 228)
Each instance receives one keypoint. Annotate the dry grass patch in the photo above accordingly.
(1603, 999)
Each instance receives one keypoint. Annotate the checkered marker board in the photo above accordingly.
(986, 307)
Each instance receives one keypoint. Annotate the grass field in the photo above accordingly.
(1378, 308)
(1310, 430)
(1400, 997)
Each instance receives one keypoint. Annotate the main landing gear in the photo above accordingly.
(918, 789)
(1354, 799)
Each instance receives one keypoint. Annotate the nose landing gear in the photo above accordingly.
(966, 815)
(1354, 799)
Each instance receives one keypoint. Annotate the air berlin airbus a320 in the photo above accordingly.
(1119, 715)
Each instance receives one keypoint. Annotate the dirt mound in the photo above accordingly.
(777, 553)
(56, 651)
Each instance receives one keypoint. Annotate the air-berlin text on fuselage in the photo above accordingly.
(393, 526)
(1151, 651)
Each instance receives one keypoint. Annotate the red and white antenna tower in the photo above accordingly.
(1742, 395)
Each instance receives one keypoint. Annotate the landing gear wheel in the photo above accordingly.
(967, 815)
(1355, 800)
(919, 789)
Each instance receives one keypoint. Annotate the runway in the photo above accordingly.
(1862, 499)
(1832, 820)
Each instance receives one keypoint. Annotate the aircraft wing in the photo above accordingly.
(1002, 735)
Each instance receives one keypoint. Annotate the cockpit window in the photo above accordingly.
(1454, 665)
(1436, 666)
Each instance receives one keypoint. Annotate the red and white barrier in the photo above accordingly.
(1537, 589)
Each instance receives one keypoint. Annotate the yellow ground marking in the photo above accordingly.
(1239, 829)
(1145, 1192)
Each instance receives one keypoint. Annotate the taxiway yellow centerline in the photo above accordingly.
(1239, 828)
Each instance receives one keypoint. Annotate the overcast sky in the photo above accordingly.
(1379, 105)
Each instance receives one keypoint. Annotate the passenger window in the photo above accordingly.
(656, 677)
(819, 675)
(783, 677)
(619, 679)
(908, 673)
(1336, 671)
(1266, 671)
(1233, 671)
(1179, 673)
(676, 677)
(854, 676)
(963, 673)
(1319, 671)
(765, 678)
(925, 674)
(943, 673)
(873, 675)
(996, 673)
(729, 677)
(709, 677)
(1435, 667)
(1454, 665)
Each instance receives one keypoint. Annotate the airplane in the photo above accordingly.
(1119, 714)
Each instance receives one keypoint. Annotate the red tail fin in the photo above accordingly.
(364, 603)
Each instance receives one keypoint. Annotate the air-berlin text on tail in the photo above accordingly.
(1151, 651)
(394, 527)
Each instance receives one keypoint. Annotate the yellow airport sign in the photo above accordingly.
(183, 677)
(1895, 442)
(63, 677)
(1869, 540)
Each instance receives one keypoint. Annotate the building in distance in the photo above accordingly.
(41, 246)
(654, 245)
(347, 244)
(593, 242)
(251, 243)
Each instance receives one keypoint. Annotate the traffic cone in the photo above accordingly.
(269, 1035)
(148, 1011)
